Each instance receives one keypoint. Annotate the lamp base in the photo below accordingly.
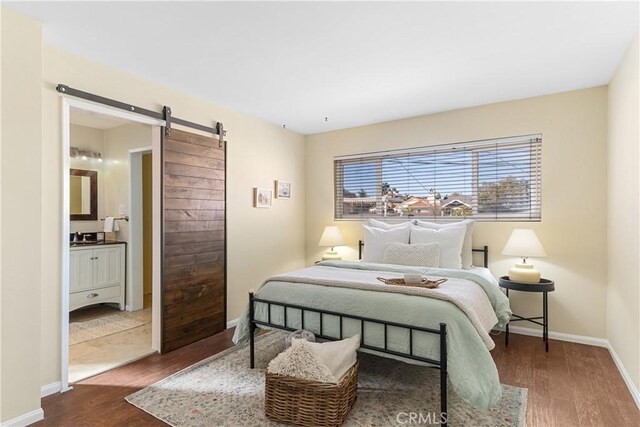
(524, 273)
(331, 255)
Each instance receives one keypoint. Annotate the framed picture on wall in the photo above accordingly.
(283, 189)
(262, 197)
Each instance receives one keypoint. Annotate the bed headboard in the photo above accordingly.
(484, 250)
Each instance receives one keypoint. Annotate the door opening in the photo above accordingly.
(107, 317)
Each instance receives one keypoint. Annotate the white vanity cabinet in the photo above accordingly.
(97, 275)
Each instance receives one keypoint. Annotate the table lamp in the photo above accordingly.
(524, 243)
(331, 237)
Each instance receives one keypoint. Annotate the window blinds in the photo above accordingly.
(492, 180)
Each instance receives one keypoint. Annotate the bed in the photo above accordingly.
(391, 324)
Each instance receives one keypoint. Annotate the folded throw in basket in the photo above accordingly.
(322, 362)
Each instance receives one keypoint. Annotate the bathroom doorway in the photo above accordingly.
(111, 276)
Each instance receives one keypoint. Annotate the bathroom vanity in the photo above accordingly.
(97, 273)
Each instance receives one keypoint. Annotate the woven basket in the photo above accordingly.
(310, 403)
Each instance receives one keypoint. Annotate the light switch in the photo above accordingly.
(122, 210)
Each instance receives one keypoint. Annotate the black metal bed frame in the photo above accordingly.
(441, 332)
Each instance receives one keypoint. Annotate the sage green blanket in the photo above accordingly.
(471, 369)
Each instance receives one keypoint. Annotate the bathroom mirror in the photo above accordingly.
(83, 195)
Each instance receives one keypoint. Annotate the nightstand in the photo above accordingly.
(545, 286)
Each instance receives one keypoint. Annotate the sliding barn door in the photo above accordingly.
(194, 246)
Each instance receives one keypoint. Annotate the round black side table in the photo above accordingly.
(545, 286)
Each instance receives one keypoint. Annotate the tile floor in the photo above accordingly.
(93, 357)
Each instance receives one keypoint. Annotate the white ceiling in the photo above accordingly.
(353, 62)
(94, 120)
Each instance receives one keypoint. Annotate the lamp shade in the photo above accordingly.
(524, 243)
(331, 237)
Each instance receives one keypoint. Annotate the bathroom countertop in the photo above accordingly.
(101, 243)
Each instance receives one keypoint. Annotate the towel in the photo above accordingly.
(323, 362)
(338, 356)
(110, 225)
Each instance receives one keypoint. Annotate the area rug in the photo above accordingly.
(100, 327)
(223, 391)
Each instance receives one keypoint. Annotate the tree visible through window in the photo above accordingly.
(493, 180)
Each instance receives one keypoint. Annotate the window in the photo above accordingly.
(493, 180)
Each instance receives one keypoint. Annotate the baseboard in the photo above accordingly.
(25, 419)
(233, 322)
(49, 389)
(625, 375)
(581, 339)
(560, 336)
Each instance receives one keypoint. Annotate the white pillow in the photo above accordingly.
(450, 240)
(376, 240)
(417, 255)
(467, 246)
(379, 224)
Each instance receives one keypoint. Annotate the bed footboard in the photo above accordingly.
(436, 364)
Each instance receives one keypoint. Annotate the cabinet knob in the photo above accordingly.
(92, 295)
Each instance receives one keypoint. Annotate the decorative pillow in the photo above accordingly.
(376, 240)
(417, 255)
(467, 246)
(383, 225)
(450, 240)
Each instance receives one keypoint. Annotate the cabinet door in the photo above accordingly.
(107, 266)
(80, 270)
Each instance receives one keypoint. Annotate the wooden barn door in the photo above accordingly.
(194, 245)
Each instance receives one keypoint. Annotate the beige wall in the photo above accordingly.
(118, 141)
(623, 282)
(572, 230)
(21, 197)
(117, 175)
(258, 154)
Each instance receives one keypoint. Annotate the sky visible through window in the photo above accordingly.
(446, 173)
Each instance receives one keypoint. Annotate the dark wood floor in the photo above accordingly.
(572, 385)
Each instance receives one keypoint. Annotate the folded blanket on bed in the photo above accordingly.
(466, 295)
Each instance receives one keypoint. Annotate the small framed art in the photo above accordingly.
(262, 197)
(283, 189)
